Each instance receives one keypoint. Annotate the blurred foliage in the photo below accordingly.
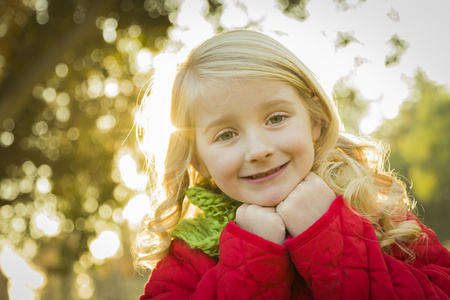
(69, 86)
(420, 145)
(345, 38)
(352, 106)
(419, 142)
(399, 47)
(295, 9)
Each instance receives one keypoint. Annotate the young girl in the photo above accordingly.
(289, 206)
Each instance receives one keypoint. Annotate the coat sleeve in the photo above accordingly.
(249, 267)
(340, 258)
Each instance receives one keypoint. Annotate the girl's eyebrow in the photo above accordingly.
(218, 122)
(277, 102)
(274, 103)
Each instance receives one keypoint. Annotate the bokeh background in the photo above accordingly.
(72, 73)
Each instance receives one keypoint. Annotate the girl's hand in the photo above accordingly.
(310, 199)
(262, 221)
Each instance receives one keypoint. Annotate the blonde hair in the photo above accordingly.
(352, 167)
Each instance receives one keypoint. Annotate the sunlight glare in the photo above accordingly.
(23, 278)
(43, 185)
(233, 16)
(109, 30)
(154, 116)
(129, 174)
(111, 87)
(105, 245)
(144, 59)
(369, 124)
(193, 27)
(106, 122)
(19, 291)
(50, 226)
(136, 209)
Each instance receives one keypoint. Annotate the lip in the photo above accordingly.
(272, 174)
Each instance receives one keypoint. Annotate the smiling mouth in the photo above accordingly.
(265, 174)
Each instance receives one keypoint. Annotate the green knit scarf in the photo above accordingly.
(203, 231)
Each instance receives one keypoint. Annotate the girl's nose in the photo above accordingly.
(258, 148)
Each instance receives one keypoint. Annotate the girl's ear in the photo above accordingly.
(199, 166)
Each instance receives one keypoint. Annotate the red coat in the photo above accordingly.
(338, 257)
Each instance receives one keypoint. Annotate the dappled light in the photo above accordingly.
(129, 173)
(144, 59)
(6, 139)
(155, 111)
(25, 280)
(106, 123)
(85, 285)
(136, 210)
(111, 87)
(106, 245)
(85, 91)
(109, 26)
(49, 226)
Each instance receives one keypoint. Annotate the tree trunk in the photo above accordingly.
(3, 287)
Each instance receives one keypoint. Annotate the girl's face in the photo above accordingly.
(255, 139)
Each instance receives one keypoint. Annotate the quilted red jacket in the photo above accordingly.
(338, 257)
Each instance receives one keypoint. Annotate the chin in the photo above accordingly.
(267, 199)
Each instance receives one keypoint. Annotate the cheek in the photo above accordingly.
(224, 171)
(222, 167)
(302, 151)
(297, 144)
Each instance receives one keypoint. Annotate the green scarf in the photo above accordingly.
(203, 231)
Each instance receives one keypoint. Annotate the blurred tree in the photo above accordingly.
(352, 106)
(420, 146)
(71, 72)
(13, 18)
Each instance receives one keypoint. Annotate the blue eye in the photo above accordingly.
(276, 119)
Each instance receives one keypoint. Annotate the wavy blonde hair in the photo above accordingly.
(352, 167)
